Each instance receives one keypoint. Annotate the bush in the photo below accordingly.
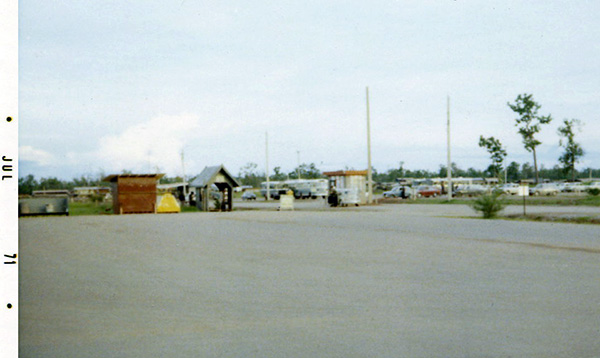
(489, 205)
(217, 203)
(594, 191)
(96, 198)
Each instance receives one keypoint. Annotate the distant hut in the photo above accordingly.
(355, 180)
(222, 180)
(133, 193)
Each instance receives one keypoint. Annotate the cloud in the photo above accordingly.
(40, 157)
(148, 146)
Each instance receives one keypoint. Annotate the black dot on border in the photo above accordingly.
(8, 119)
(9, 306)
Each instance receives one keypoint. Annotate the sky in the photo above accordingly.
(107, 86)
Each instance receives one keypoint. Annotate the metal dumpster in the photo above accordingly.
(58, 205)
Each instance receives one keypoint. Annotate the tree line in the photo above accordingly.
(249, 175)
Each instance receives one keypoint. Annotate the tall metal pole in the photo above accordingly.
(449, 165)
(268, 197)
(183, 175)
(298, 170)
(369, 170)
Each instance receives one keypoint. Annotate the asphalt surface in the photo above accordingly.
(380, 281)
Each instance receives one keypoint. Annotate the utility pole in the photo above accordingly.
(449, 167)
(183, 176)
(369, 170)
(268, 197)
(298, 170)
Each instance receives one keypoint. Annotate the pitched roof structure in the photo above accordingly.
(210, 175)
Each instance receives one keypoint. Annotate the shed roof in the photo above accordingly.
(345, 173)
(209, 175)
(171, 185)
(114, 177)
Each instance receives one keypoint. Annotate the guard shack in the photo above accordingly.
(354, 181)
(133, 193)
(222, 180)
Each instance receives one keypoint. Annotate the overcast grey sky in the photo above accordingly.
(113, 85)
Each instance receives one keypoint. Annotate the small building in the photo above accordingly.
(349, 179)
(90, 190)
(50, 193)
(211, 177)
(83, 193)
(133, 193)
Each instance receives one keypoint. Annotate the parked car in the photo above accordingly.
(593, 185)
(562, 187)
(398, 192)
(427, 191)
(573, 187)
(470, 190)
(544, 189)
(509, 188)
(249, 195)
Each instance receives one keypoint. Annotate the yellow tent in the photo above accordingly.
(166, 203)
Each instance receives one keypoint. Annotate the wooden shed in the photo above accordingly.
(133, 193)
(222, 180)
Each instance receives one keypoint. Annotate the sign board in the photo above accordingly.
(286, 202)
(523, 190)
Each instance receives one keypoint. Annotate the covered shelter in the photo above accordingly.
(133, 193)
(220, 178)
(355, 180)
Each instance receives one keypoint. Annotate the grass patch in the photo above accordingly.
(78, 208)
(560, 200)
(549, 218)
(189, 209)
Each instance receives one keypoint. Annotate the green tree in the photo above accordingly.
(512, 172)
(306, 171)
(27, 184)
(526, 171)
(456, 171)
(52, 183)
(249, 175)
(474, 173)
(530, 124)
(573, 150)
(497, 155)
(278, 174)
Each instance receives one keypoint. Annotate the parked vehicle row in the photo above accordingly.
(404, 192)
(301, 188)
(401, 191)
(315, 188)
(471, 190)
(542, 189)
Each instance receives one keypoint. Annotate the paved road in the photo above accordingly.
(385, 281)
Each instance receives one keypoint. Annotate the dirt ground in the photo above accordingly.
(382, 281)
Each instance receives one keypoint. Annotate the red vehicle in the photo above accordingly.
(428, 190)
